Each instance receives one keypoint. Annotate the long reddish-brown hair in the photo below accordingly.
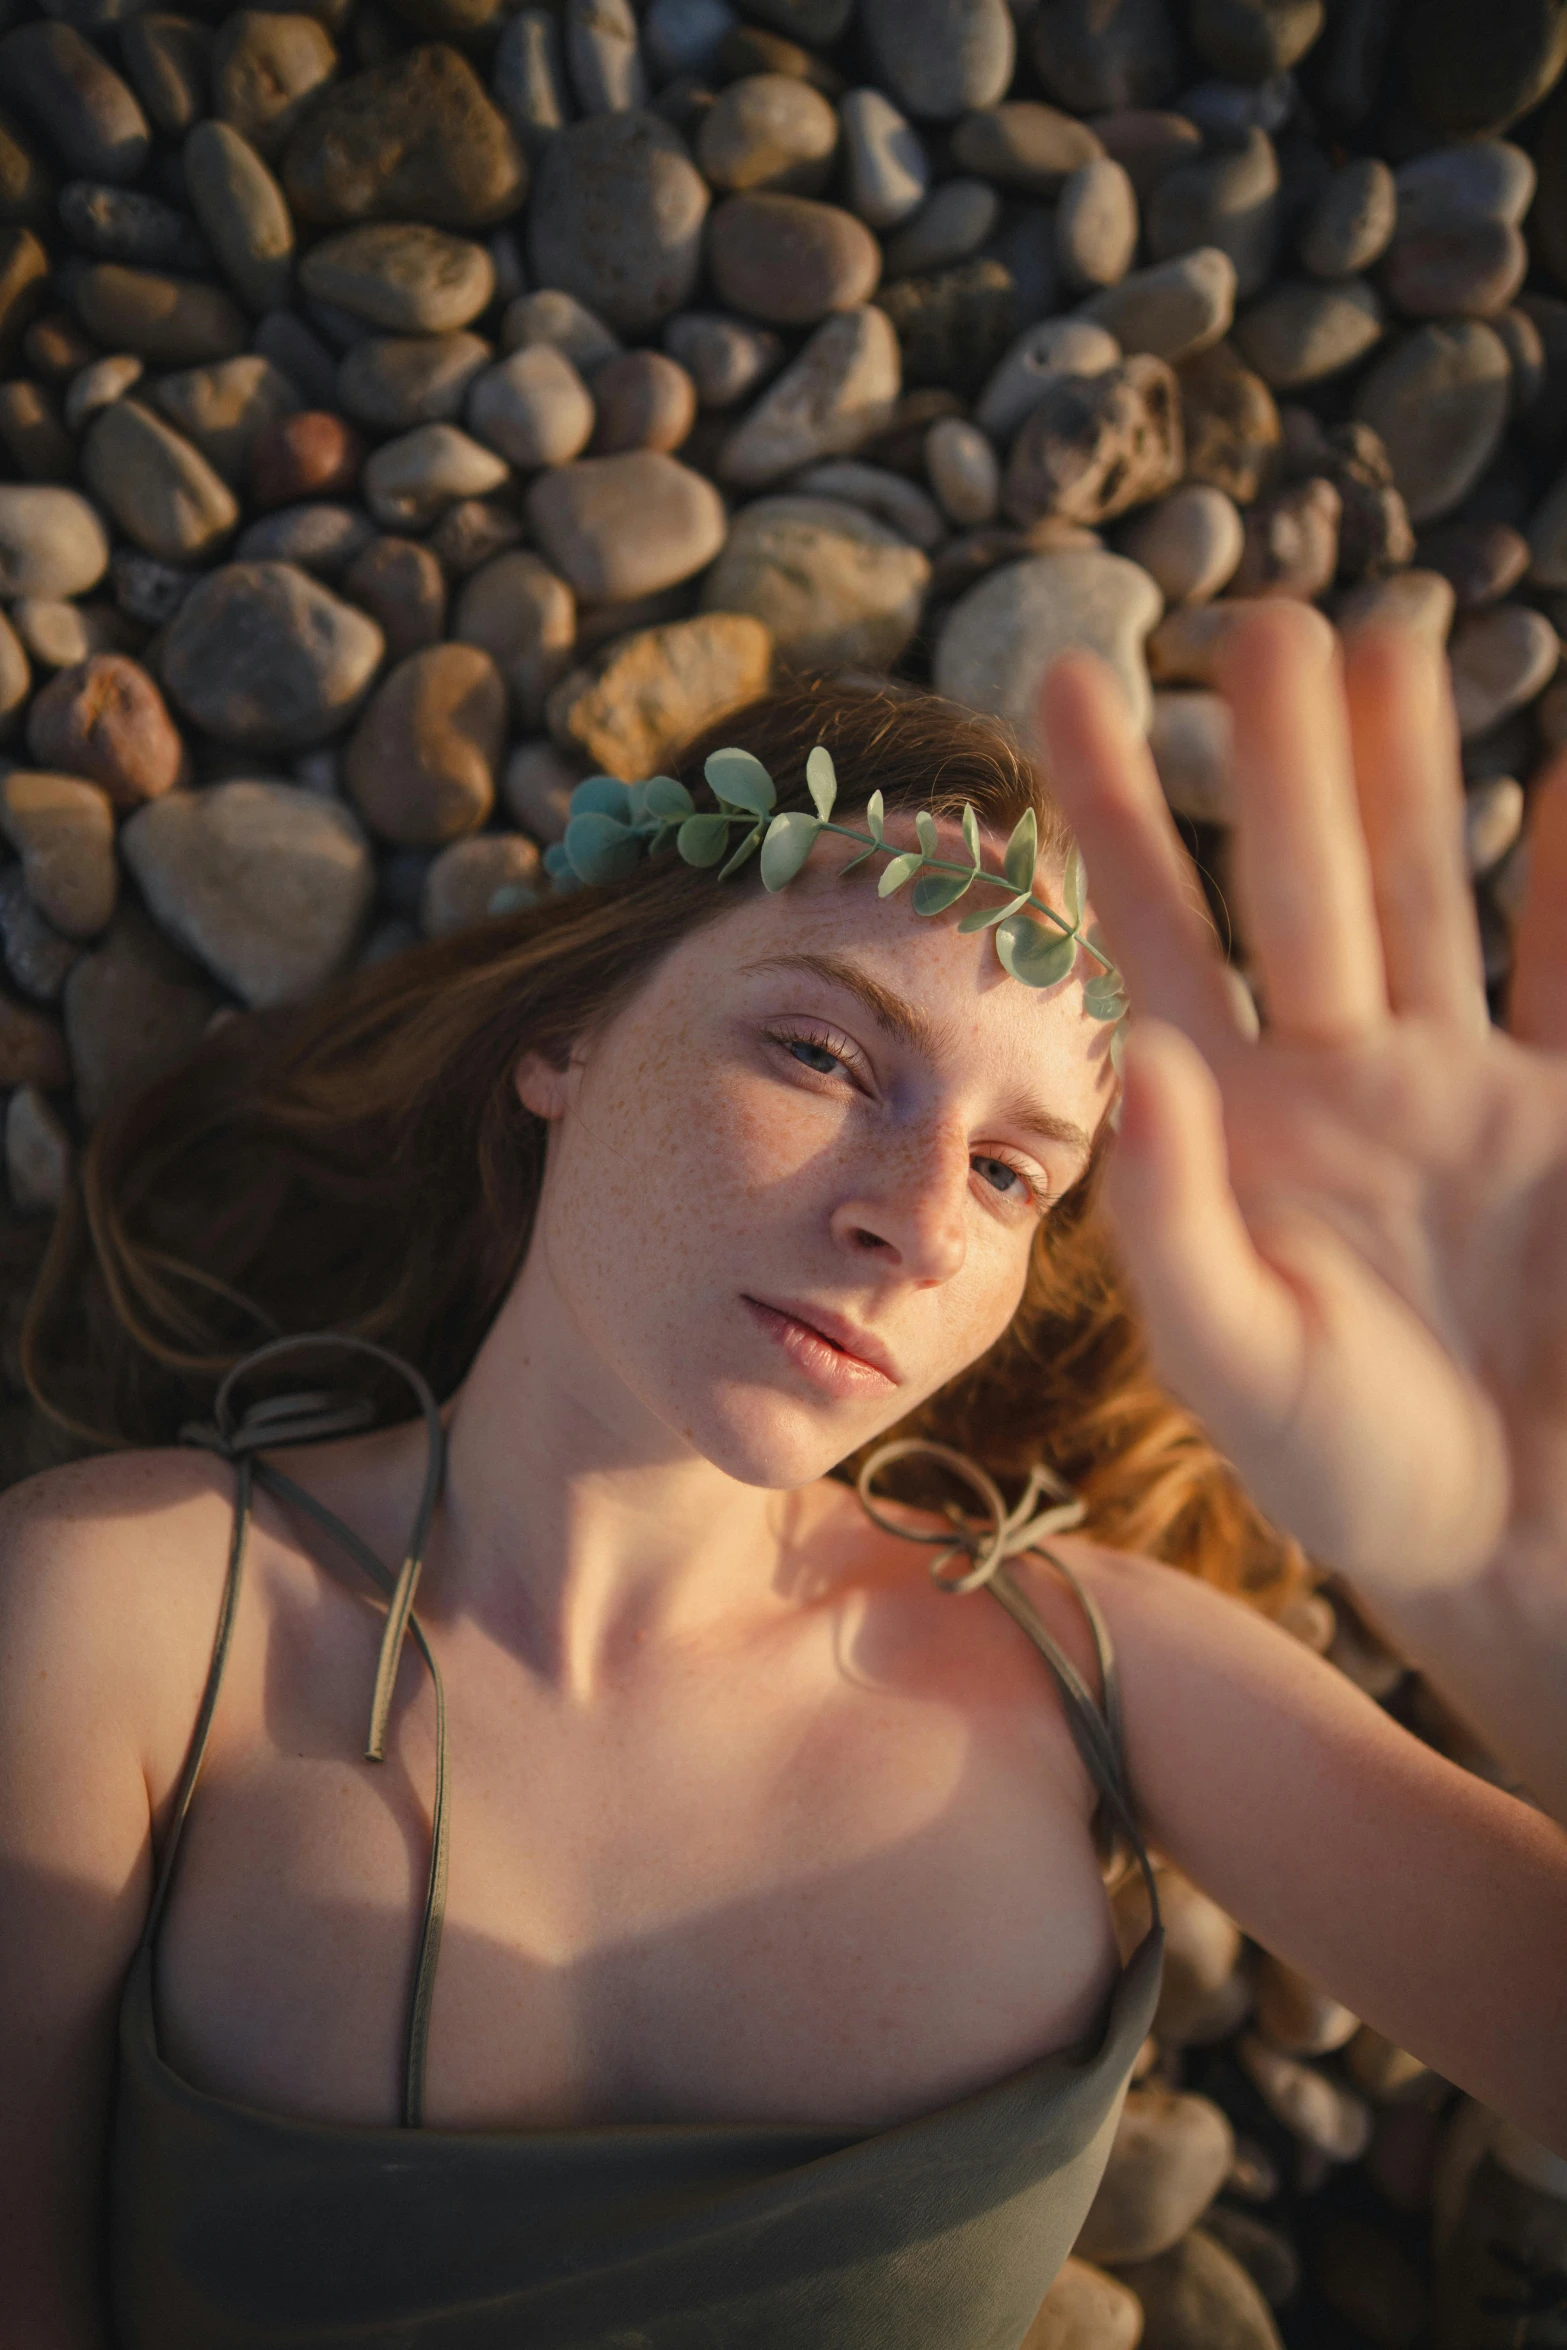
(363, 1163)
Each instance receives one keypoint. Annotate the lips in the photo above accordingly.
(835, 1353)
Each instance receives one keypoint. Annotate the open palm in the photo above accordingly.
(1349, 1235)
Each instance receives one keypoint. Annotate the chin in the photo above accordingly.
(760, 1437)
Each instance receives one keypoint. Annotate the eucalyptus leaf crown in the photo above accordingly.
(614, 825)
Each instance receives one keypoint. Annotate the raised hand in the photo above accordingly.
(1349, 1236)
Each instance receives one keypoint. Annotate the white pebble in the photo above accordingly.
(964, 471)
(1191, 541)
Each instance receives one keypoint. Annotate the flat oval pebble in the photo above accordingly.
(641, 400)
(525, 617)
(1170, 2155)
(403, 588)
(650, 691)
(533, 407)
(243, 213)
(1189, 542)
(1476, 179)
(1023, 145)
(407, 482)
(320, 535)
(93, 122)
(160, 490)
(835, 587)
(1303, 331)
(1173, 308)
(886, 169)
(940, 57)
(401, 276)
(836, 394)
(768, 130)
(171, 321)
(51, 541)
(528, 77)
(1197, 2296)
(963, 470)
(265, 884)
(953, 222)
(393, 382)
(616, 219)
(625, 526)
(1055, 347)
(420, 764)
(105, 719)
(266, 66)
(725, 357)
(602, 55)
(999, 638)
(1094, 445)
(1439, 400)
(167, 59)
(1096, 225)
(62, 828)
(1500, 660)
(1351, 223)
(788, 259)
(262, 656)
(417, 138)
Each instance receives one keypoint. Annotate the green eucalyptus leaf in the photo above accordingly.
(1073, 885)
(822, 780)
(751, 842)
(664, 795)
(668, 831)
(601, 848)
(741, 781)
(555, 859)
(860, 859)
(986, 917)
(925, 826)
(602, 795)
(1102, 988)
(703, 840)
(1022, 853)
(790, 840)
(1036, 956)
(1104, 1007)
(875, 814)
(898, 872)
(934, 892)
(971, 833)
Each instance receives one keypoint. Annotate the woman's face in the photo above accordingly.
(792, 1186)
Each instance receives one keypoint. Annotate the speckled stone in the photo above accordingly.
(834, 586)
(1440, 401)
(838, 392)
(416, 138)
(420, 765)
(263, 657)
(768, 130)
(790, 260)
(651, 690)
(401, 276)
(616, 218)
(1000, 637)
(939, 58)
(523, 614)
(1350, 225)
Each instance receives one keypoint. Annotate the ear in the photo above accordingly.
(542, 1087)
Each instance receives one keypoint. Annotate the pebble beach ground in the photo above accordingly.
(408, 407)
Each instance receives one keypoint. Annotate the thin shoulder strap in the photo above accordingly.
(1005, 1534)
(300, 1419)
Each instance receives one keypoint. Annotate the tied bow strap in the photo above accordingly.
(1002, 1534)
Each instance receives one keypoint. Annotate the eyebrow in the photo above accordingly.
(910, 1027)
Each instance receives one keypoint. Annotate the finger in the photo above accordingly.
(1404, 732)
(1299, 861)
(1537, 993)
(1224, 1329)
(1144, 886)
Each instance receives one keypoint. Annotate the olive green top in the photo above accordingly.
(236, 2229)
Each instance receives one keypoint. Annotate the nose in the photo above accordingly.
(910, 1210)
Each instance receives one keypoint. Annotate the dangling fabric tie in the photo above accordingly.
(1002, 1535)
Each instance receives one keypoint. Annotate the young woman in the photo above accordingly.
(777, 2000)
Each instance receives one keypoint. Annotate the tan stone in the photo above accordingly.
(134, 1008)
(648, 693)
(1085, 2310)
(63, 831)
(465, 876)
(1171, 2155)
(421, 762)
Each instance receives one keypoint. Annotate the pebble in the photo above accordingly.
(768, 131)
(32, 430)
(394, 382)
(98, 385)
(401, 276)
(88, 114)
(171, 321)
(1189, 542)
(1225, 112)
(1023, 145)
(266, 67)
(536, 788)
(1493, 820)
(940, 58)
(415, 138)
(168, 59)
(105, 719)
(311, 454)
(652, 690)
(747, 48)
(999, 638)
(1476, 179)
(1295, 2015)
(818, 22)
(962, 468)
(642, 400)
(1319, 2110)
(51, 542)
(617, 527)
(1265, 2252)
(1291, 542)
(1525, 347)
(470, 532)
(1229, 201)
(31, 1050)
(1093, 57)
(1501, 659)
(686, 37)
(1191, 740)
(159, 489)
(62, 828)
(420, 764)
(408, 481)
(1096, 225)
(1197, 2296)
(525, 617)
(616, 218)
(1304, 331)
(225, 408)
(56, 346)
(1440, 401)
(1094, 445)
(1351, 223)
(1417, 600)
(26, 189)
(1172, 309)
(953, 222)
(1456, 269)
(403, 588)
(322, 536)
(134, 1008)
(1250, 40)
(725, 357)
(891, 497)
(602, 56)
(123, 224)
(551, 316)
(954, 325)
(833, 585)
(15, 677)
(264, 883)
(1041, 355)
(297, 352)
(837, 393)
(261, 656)
(55, 633)
(528, 77)
(1482, 559)
(242, 212)
(465, 876)
(38, 1153)
(790, 260)
(1148, 142)
(532, 406)
(1169, 2158)
(1202, 1949)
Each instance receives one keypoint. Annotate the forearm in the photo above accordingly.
(1496, 1650)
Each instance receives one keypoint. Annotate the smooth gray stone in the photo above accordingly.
(51, 541)
(283, 337)
(159, 488)
(1173, 309)
(1485, 179)
(123, 224)
(401, 276)
(528, 77)
(953, 222)
(167, 59)
(262, 656)
(1351, 223)
(1440, 400)
(941, 58)
(603, 56)
(616, 219)
(393, 382)
(887, 171)
(1229, 200)
(1102, 56)
(321, 537)
(89, 115)
(243, 211)
(999, 638)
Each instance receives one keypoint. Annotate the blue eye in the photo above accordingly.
(991, 1168)
(814, 1056)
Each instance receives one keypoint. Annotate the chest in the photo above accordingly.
(842, 1878)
